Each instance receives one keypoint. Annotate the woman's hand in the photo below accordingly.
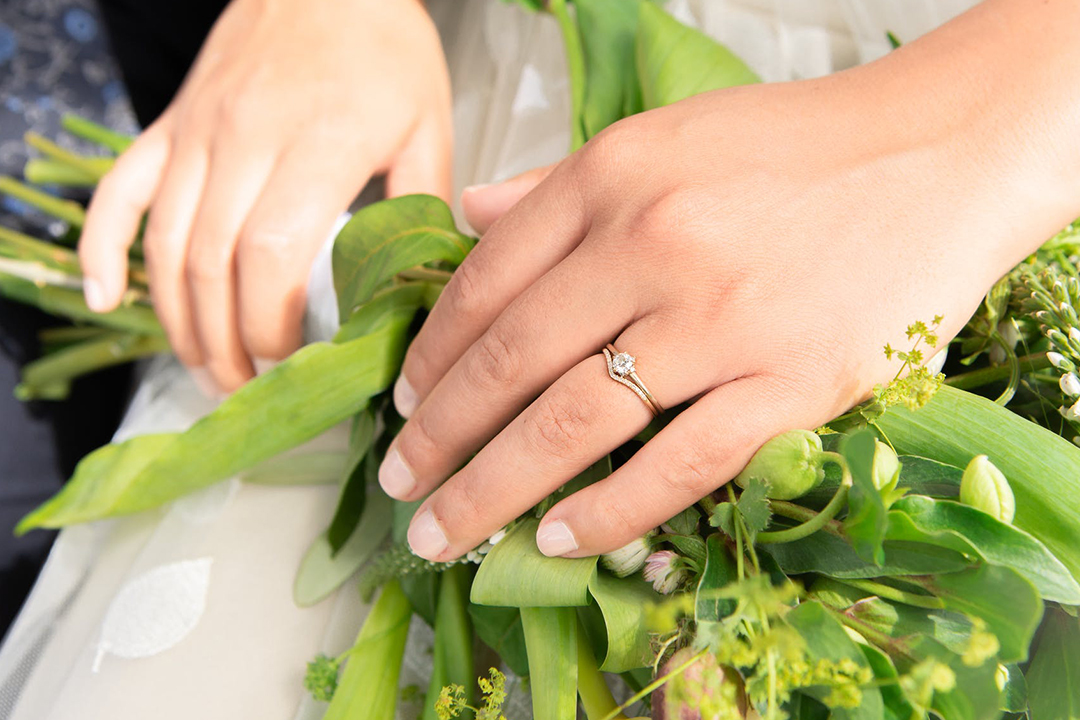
(754, 249)
(289, 110)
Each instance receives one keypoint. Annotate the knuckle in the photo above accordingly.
(494, 360)
(417, 444)
(613, 148)
(671, 214)
(461, 507)
(690, 472)
(464, 291)
(559, 426)
(210, 264)
(267, 244)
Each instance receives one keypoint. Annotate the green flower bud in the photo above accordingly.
(886, 469)
(984, 487)
(789, 463)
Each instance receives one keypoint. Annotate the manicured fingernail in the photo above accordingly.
(205, 382)
(554, 539)
(474, 188)
(263, 364)
(395, 476)
(95, 295)
(426, 538)
(405, 397)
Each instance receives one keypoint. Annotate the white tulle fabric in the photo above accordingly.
(187, 612)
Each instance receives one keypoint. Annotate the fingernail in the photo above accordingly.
(205, 382)
(395, 476)
(405, 397)
(474, 188)
(263, 365)
(426, 538)
(554, 539)
(95, 294)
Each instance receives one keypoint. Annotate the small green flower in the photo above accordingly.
(322, 677)
(984, 487)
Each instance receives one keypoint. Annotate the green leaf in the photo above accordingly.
(675, 61)
(686, 522)
(452, 656)
(1054, 676)
(351, 501)
(608, 31)
(896, 706)
(323, 569)
(368, 687)
(754, 507)
(1000, 596)
(720, 571)
(387, 237)
(826, 639)
(398, 303)
(976, 695)
(516, 574)
(1015, 693)
(834, 556)
(314, 389)
(723, 518)
(500, 629)
(623, 603)
(1041, 467)
(551, 639)
(965, 529)
(866, 522)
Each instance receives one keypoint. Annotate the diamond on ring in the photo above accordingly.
(621, 367)
(622, 364)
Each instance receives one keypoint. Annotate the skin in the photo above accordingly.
(754, 248)
(288, 111)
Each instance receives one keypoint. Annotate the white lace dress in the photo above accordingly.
(187, 612)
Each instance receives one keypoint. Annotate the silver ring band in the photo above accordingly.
(620, 367)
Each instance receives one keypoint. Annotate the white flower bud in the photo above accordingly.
(1070, 384)
(1074, 335)
(937, 360)
(886, 467)
(985, 488)
(628, 559)
(663, 570)
(494, 539)
(1009, 332)
(1059, 361)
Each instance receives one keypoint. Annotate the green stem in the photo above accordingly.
(426, 274)
(821, 519)
(18, 246)
(793, 511)
(575, 65)
(888, 592)
(44, 171)
(97, 134)
(67, 210)
(595, 695)
(70, 303)
(75, 361)
(654, 685)
(92, 166)
(985, 376)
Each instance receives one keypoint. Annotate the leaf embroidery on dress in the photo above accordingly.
(155, 611)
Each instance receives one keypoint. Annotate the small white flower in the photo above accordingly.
(1058, 360)
(1070, 384)
(494, 539)
(1074, 335)
(662, 570)
(628, 559)
(474, 557)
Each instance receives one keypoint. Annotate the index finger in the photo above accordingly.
(114, 216)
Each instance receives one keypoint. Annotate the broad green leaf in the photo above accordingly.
(1000, 596)
(1054, 676)
(323, 569)
(314, 389)
(516, 574)
(389, 305)
(623, 603)
(1014, 695)
(551, 637)
(387, 237)
(608, 31)
(866, 521)
(965, 529)
(1042, 468)
(720, 571)
(368, 687)
(975, 696)
(830, 555)
(686, 522)
(101, 480)
(675, 61)
(898, 628)
(452, 653)
(500, 629)
(918, 475)
(422, 589)
(351, 501)
(316, 467)
(826, 639)
(895, 705)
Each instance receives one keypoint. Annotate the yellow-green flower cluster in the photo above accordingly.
(452, 700)
(914, 383)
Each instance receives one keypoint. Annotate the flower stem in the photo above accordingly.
(575, 65)
(888, 592)
(97, 134)
(45, 171)
(65, 365)
(69, 211)
(821, 519)
(95, 167)
(984, 376)
(595, 695)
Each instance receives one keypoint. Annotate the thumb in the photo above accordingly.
(484, 204)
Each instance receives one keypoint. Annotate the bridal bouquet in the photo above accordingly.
(917, 557)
